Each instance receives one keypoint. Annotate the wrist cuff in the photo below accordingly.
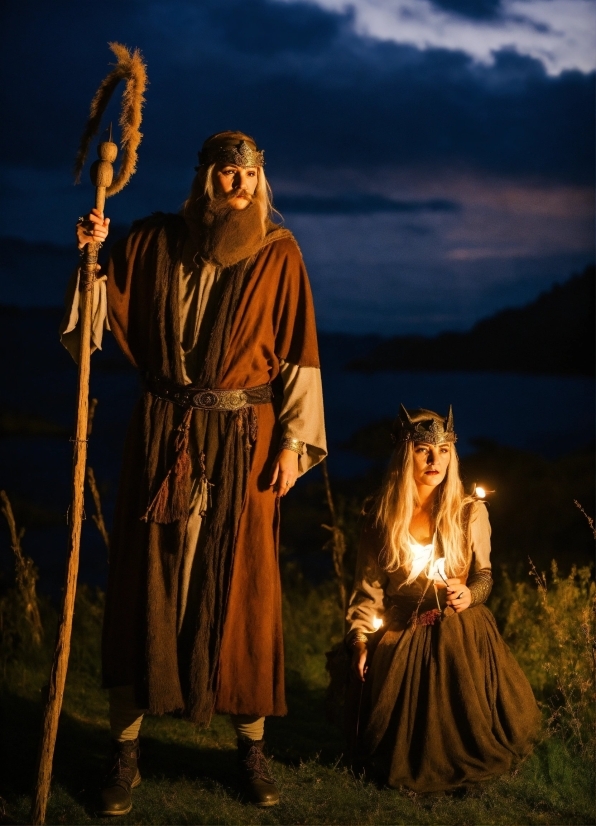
(480, 585)
(292, 444)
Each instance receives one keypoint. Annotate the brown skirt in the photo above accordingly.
(446, 705)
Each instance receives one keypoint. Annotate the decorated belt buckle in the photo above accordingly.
(233, 399)
(205, 399)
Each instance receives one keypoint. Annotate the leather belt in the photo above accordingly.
(206, 399)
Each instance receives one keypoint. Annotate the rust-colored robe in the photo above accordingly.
(274, 321)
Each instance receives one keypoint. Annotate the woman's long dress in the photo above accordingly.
(445, 703)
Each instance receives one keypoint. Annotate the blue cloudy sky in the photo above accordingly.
(433, 157)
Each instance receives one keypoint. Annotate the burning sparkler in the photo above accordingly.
(480, 492)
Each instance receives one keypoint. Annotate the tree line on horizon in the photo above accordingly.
(554, 334)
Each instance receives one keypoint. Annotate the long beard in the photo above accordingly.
(223, 235)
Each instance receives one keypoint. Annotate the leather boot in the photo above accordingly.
(122, 776)
(256, 774)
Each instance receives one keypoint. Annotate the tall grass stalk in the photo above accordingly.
(336, 543)
(26, 575)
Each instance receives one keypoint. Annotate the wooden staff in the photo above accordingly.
(131, 68)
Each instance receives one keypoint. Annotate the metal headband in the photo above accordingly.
(239, 154)
(430, 431)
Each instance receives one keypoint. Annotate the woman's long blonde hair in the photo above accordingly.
(203, 189)
(398, 497)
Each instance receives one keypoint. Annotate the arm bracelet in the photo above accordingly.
(292, 444)
(480, 585)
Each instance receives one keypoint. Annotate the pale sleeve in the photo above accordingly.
(301, 415)
(69, 328)
(367, 599)
(480, 537)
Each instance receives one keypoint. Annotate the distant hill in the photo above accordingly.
(553, 334)
(35, 274)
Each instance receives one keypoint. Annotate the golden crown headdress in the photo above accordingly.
(431, 431)
(239, 153)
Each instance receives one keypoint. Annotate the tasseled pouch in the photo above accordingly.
(171, 501)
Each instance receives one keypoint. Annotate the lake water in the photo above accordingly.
(548, 415)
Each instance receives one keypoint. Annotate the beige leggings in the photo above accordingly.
(126, 718)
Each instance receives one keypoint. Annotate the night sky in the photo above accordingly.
(434, 159)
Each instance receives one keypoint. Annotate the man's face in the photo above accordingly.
(237, 181)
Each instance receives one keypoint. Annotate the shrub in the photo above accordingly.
(551, 630)
(312, 622)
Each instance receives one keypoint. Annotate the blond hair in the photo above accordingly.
(398, 497)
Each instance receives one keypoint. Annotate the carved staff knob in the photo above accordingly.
(102, 171)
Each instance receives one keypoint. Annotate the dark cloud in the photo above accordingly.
(396, 167)
(269, 28)
(359, 204)
(475, 9)
(300, 80)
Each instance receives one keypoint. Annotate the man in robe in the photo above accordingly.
(213, 307)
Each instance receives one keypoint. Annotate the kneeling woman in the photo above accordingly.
(444, 702)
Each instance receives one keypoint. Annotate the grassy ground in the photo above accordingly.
(189, 775)
(188, 778)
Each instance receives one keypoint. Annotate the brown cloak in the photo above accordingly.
(229, 655)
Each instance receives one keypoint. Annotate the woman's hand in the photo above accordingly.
(285, 472)
(93, 228)
(459, 596)
(359, 657)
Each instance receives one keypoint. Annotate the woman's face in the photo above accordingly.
(430, 463)
(238, 182)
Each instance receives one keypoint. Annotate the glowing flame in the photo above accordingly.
(377, 623)
(480, 492)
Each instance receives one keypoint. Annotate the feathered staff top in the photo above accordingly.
(130, 67)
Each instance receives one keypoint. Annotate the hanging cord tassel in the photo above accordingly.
(248, 424)
(416, 616)
(171, 502)
(206, 485)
